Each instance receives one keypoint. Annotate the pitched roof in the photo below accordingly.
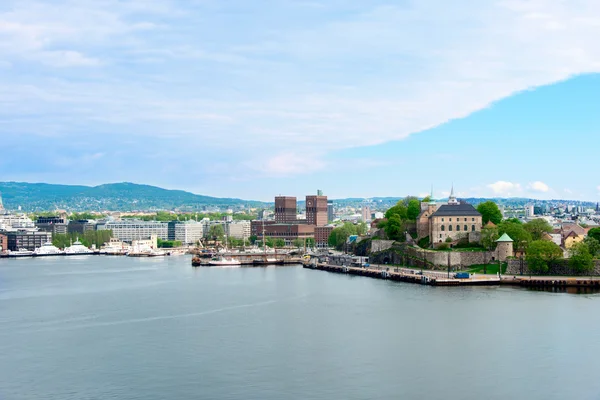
(459, 210)
(504, 238)
(490, 224)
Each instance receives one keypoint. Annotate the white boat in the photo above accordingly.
(20, 253)
(115, 247)
(224, 262)
(77, 248)
(48, 249)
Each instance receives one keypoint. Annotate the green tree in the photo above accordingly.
(541, 254)
(581, 260)
(594, 233)
(537, 228)
(489, 235)
(310, 242)
(593, 246)
(521, 238)
(339, 235)
(167, 244)
(490, 212)
(298, 242)
(216, 232)
(361, 228)
(413, 209)
(426, 199)
(399, 209)
(395, 227)
(279, 242)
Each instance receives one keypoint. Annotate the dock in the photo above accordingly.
(431, 278)
(252, 259)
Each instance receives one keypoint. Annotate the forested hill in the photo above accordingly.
(114, 196)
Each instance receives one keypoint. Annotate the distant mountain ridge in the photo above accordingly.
(123, 196)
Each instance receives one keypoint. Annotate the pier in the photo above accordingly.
(440, 278)
(432, 278)
(251, 259)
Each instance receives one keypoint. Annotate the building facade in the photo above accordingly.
(129, 230)
(3, 242)
(186, 232)
(55, 225)
(322, 234)
(238, 229)
(449, 222)
(316, 210)
(81, 226)
(285, 209)
(330, 212)
(27, 240)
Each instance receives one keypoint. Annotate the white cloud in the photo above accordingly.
(286, 164)
(365, 75)
(504, 188)
(539, 187)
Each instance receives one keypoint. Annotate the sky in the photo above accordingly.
(252, 99)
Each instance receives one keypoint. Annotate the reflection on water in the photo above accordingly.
(570, 290)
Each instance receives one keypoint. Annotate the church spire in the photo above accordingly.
(452, 198)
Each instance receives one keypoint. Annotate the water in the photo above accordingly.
(121, 328)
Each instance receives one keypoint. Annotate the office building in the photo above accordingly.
(3, 242)
(129, 230)
(285, 209)
(26, 240)
(54, 225)
(238, 229)
(330, 213)
(316, 210)
(81, 226)
(186, 232)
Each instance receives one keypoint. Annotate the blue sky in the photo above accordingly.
(253, 99)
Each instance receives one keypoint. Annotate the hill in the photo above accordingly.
(115, 196)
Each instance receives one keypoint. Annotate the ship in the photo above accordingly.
(77, 248)
(19, 253)
(48, 249)
(224, 262)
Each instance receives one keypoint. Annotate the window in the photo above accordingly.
(450, 228)
(457, 228)
(443, 228)
(466, 228)
(473, 228)
(442, 219)
(450, 219)
(473, 219)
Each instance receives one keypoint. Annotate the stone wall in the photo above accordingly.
(414, 256)
(381, 245)
(561, 268)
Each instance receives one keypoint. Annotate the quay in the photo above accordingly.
(249, 259)
(432, 278)
(440, 278)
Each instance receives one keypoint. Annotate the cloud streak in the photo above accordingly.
(292, 80)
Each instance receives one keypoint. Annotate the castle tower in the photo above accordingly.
(504, 247)
(431, 207)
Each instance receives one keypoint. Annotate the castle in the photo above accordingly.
(449, 222)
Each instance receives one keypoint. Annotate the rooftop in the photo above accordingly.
(461, 209)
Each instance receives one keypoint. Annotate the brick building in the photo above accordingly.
(316, 210)
(322, 234)
(285, 209)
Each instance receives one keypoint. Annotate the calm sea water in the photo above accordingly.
(121, 328)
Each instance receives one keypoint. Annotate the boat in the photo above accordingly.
(77, 248)
(115, 247)
(48, 249)
(267, 261)
(19, 253)
(224, 262)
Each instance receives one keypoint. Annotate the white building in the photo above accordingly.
(186, 232)
(529, 211)
(129, 230)
(13, 222)
(238, 229)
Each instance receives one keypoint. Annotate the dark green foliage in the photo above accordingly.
(443, 246)
(424, 242)
(489, 235)
(279, 242)
(490, 212)
(537, 228)
(88, 239)
(413, 209)
(541, 254)
(581, 260)
(168, 244)
(339, 235)
(516, 230)
(116, 196)
(594, 233)
(593, 246)
(216, 232)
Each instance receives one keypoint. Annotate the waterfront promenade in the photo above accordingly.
(441, 278)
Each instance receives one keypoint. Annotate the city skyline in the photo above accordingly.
(248, 101)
